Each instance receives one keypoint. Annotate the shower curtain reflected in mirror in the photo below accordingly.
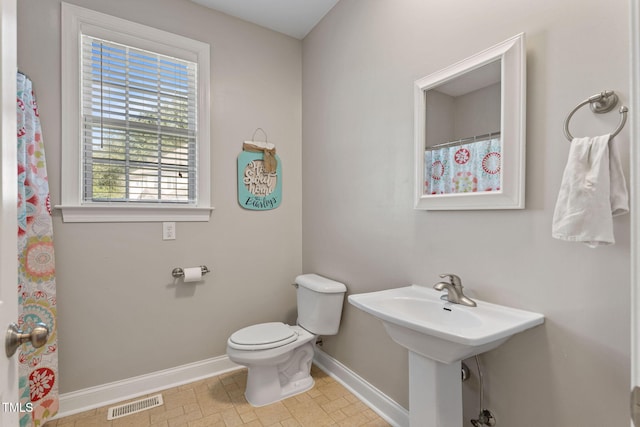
(38, 367)
(463, 168)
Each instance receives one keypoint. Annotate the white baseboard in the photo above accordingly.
(106, 394)
(379, 402)
(130, 388)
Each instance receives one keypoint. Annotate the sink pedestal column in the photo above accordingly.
(435, 393)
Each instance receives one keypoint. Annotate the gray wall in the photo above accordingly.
(359, 227)
(119, 312)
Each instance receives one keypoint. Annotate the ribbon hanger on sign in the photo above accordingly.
(268, 149)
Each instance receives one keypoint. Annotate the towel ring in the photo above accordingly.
(600, 103)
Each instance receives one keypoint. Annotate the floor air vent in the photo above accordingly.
(134, 407)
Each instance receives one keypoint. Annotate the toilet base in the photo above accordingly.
(270, 384)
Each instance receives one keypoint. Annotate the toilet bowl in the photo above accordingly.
(278, 356)
(277, 369)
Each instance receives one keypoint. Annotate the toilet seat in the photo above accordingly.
(262, 336)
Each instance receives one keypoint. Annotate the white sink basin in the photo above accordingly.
(416, 318)
(438, 335)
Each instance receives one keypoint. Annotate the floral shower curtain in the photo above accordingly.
(38, 367)
(464, 168)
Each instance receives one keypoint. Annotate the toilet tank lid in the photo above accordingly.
(320, 284)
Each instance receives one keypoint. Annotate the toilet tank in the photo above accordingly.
(319, 303)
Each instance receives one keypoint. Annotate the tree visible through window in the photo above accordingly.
(139, 125)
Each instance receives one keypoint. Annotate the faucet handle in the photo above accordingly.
(453, 279)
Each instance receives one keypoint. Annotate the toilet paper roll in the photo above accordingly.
(192, 274)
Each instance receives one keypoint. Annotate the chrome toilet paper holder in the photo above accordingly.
(179, 272)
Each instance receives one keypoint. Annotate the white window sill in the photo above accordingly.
(144, 213)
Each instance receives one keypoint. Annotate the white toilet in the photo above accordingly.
(278, 355)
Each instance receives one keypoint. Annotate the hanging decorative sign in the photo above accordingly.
(259, 175)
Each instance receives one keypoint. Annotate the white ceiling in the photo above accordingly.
(484, 76)
(292, 17)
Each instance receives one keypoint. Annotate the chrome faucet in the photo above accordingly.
(454, 290)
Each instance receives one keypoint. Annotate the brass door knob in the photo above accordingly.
(15, 337)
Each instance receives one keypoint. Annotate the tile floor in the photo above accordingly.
(219, 402)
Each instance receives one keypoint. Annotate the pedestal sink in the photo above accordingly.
(439, 335)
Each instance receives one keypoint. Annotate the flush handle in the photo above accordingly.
(15, 337)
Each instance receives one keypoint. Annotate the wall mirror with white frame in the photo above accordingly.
(470, 132)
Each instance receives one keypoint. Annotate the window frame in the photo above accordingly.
(77, 21)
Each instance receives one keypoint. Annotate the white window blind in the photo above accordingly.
(138, 125)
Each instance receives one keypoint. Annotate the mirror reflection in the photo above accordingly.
(470, 132)
(462, 133)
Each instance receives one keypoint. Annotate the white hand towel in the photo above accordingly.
(619, 194)
(593, 190)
